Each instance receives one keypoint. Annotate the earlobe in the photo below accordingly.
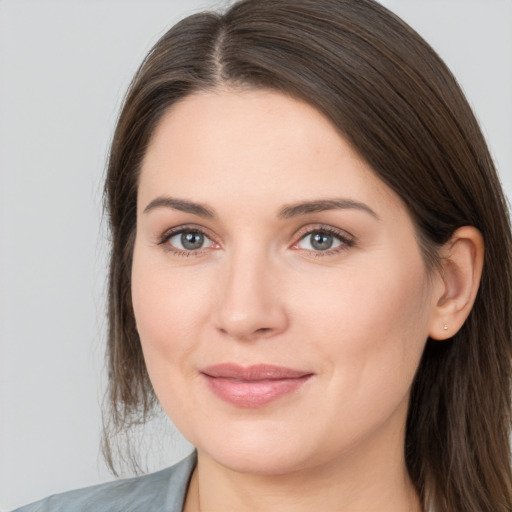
(462, 260)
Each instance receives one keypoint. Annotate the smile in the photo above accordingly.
(253, 386)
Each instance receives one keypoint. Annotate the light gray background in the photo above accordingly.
(64, 67)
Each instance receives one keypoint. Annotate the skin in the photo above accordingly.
(257, 291)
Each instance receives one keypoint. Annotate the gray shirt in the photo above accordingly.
(163, 491)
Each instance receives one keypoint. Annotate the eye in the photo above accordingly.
(187, 240)
(323, 240)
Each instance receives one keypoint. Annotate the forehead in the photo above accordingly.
(251, 144)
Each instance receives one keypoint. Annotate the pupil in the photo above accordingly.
(192, 240)
(321, 241)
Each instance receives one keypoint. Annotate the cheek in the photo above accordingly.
(371, 322)
(168, 307)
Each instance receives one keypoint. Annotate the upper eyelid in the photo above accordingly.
(307, 230)
(169, 233)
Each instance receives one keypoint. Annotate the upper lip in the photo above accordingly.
(254, 372)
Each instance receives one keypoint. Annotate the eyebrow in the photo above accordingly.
(179, 204)
(304, 208)
(287, 212)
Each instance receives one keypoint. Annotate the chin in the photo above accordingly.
(263, 451)
(261, 461)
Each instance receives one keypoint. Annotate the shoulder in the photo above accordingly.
(163, 490)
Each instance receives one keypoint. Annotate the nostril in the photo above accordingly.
(263, 330)
(246, 334)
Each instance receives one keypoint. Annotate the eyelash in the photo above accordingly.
(346, 240)
(164, 239)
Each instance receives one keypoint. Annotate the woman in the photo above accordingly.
(300, 202)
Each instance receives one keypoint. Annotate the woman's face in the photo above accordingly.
(279, 291)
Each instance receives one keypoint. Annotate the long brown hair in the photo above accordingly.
(394, 99)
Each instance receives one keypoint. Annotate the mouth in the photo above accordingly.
(253, 386)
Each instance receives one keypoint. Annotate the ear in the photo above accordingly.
(462, 259)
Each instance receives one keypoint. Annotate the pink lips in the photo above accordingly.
(252, 386)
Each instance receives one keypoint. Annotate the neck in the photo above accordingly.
(372, 477)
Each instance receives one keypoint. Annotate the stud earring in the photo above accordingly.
(445, 327)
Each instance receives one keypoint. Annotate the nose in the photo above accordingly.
(250, 304)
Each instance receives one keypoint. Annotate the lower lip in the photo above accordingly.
(254, 393)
